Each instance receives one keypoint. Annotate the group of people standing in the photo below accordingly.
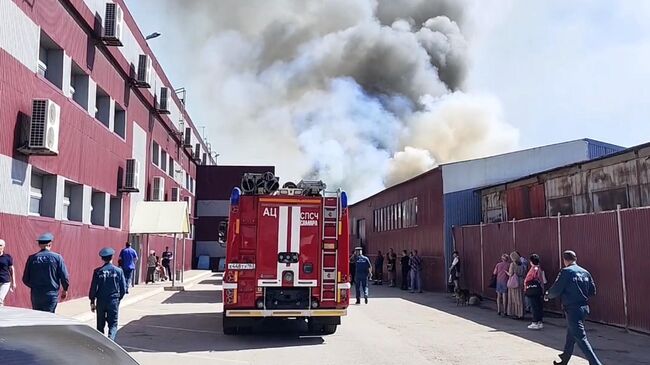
(46, 275)
(361, 271)
(521, 283)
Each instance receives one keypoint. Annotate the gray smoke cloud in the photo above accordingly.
(360, 93)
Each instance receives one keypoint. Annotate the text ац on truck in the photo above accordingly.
(286, 254)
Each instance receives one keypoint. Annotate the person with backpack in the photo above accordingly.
(534, 291)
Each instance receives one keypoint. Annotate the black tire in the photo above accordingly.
(228, 329)
(329, 329)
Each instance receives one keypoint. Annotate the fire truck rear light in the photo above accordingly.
(230, 296)
(314, 304)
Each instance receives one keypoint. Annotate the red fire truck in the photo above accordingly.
(286, 254)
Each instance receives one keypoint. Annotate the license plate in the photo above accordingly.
(235, 266)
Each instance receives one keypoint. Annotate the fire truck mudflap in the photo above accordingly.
(286, 255)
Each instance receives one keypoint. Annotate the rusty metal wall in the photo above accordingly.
(594, 237)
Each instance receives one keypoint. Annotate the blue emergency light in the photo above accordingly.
(234, 196)
(344, 200)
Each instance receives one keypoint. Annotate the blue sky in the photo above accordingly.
(561, 69)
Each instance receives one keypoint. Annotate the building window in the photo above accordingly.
(72, 202)
(79, 83)
(42, 194)
(103, 107)
(119, 127)
(563, 206)
(35, 194)
(171, 167)
(98, 208)
(115, 218)
(155, 154)
(605, 200)
(50, 61)
(163, 160)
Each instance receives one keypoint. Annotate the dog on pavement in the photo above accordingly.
(462, 297)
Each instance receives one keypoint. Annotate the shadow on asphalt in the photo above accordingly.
(211, 282)
(195, 297)
(553, 336)
(196, 332)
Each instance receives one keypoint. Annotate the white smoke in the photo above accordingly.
(359, 93)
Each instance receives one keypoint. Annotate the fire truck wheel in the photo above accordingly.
(329, 329)
(229, 329)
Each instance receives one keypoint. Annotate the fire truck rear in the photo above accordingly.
(286, 255)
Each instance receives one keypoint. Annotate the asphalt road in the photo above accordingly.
(396, 327)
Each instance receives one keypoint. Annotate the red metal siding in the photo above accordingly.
(595, 239)
(427, 237)
(537, 196)
(636, 230)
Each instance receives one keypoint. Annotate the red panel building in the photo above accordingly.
(90, 126)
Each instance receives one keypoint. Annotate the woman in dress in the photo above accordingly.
(515, 285)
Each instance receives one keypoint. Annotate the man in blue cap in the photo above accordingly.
(574, 286)
(45, 273)
(363, 271)
(106, 291)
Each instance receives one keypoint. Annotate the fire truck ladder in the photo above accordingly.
(330, 233)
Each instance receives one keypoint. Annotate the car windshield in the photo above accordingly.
(59, 345)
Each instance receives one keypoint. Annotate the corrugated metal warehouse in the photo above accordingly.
(572, 207)
(446, 196)
(587, 187)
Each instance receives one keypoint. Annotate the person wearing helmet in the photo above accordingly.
(107, 289)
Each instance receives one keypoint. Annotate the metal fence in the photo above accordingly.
(614, 246)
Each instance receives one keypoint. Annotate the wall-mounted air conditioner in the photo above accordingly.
(163, 102)
(132, 177)
(158, 193)
(187, 138)
(44, 128)
(197, 153)
(143, 74)
(113, 25)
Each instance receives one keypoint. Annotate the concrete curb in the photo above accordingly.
(87, 316)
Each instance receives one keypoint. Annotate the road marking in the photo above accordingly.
(187, 355)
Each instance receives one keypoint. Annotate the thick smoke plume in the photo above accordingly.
(360, 93)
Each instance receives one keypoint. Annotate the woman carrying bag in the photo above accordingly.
(534, 290)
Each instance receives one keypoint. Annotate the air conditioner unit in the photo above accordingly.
(143, 75)
(176, 194)
(132, 178)
(158, 193)
(163, 103)
(187, 137)
(44, 127)
(197, 153)
(113, 25)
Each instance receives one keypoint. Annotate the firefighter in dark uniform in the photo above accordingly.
(108, 287)
(574, 285)
(45, 273)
